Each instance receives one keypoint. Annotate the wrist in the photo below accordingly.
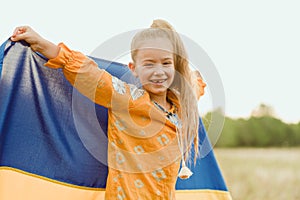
(48, 49)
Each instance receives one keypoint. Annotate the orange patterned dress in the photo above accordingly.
(143, 152)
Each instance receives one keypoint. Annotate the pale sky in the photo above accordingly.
(254, 45)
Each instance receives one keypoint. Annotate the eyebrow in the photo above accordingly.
(168, 58)
(148, 60)
(153, 60)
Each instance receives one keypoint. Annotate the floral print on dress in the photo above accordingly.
(135, 92)
(118, 85)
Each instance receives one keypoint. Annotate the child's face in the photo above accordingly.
(154, 66)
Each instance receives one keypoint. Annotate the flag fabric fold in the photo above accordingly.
(48, 132)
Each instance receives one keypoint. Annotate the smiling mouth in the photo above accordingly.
(158, 82)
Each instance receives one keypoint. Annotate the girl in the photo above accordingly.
(150, 128)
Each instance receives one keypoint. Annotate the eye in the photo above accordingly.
(169, 63)
(148, 64)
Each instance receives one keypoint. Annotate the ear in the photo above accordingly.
(131, 66)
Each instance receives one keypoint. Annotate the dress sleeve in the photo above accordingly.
(91, 81)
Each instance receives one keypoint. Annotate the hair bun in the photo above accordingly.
(159, 23)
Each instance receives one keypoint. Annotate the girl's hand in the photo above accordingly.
(36, 42)
(29, 35)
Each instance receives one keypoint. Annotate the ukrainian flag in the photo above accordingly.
(44, 151)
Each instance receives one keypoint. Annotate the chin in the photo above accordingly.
(156, 90)
(159, 92)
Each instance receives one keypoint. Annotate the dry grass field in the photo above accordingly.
(261, 173)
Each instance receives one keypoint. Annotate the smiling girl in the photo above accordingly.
(150, 128)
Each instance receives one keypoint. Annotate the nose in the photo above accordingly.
(158, 71)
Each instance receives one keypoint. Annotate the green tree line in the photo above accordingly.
(262, 129)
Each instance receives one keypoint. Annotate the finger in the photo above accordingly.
(19, 36)
(198, 74)
(18, 33)
(19, 30)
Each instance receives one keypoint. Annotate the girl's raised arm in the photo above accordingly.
(36, 42)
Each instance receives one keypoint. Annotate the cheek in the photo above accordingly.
(171, 72)
(142, 75)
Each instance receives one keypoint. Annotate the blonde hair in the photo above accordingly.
(183, 81)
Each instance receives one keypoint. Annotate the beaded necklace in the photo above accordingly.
(171, 115)
(184, 172)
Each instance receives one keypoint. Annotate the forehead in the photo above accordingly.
(157, 43)
(159, 47)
